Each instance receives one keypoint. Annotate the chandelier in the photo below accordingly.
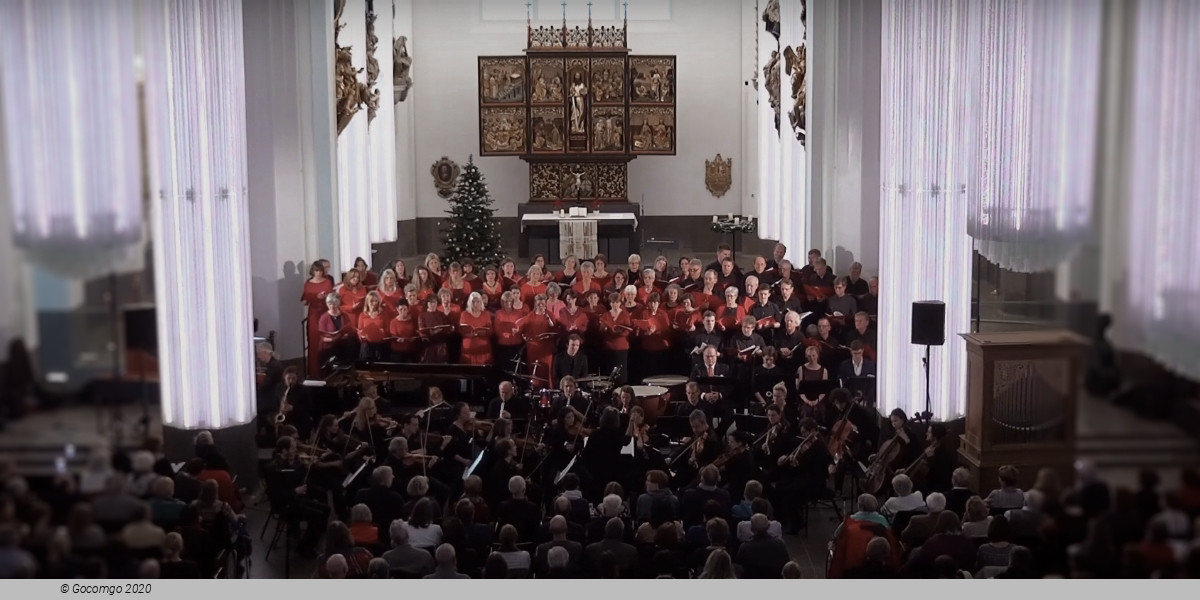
(1039, 74)
(71, 132)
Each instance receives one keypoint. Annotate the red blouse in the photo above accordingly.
(477, 338)
(372, 329)
(660, 338)
(530, 290)
(576, 323)
(406, 332)
(730, 318)
(492, 295)
(616, 331)
(314, 294)
(592, 286)
(352, 299)
(507, 331)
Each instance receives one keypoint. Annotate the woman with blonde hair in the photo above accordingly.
(533, 285)
(390, 291)
(434, 264)
(372, 328)
(718, 566)
(352, 292)
(475, 326)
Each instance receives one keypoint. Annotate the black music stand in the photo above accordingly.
(864, 384)
(815, 389)
(673, 427)
(752, 424)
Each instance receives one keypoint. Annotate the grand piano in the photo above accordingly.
(405, 384)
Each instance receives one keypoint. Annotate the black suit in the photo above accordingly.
(763, 558)
(846, 369)
(565, 364)
(720, 370)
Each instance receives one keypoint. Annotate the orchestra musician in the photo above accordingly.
(294, 402)
(457, 451)
(572, 362)
(288, 490)
(572, 398)
(506, 404)
(737, 464)
(802, 473)
(774, 442)
(438, 413)
(699, 449)
(694, 401)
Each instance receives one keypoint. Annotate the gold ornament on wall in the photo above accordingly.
(445, 176)
(351, 93)
(372, 99)
(771, 77)
(718, 175)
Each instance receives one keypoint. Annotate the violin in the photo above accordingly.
(578, 430)
(414, 458)
(724, 459)
(801, 449)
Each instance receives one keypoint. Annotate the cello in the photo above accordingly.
(881, 465)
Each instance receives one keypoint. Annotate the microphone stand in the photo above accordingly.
(927, 416)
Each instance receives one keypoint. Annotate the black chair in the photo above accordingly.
(827, 500)
(901, 519)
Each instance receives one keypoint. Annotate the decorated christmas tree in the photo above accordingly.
(472, 231)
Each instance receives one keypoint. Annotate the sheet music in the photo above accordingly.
(628, 449)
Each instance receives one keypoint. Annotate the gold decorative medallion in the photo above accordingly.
(445, 176)
(718, 175)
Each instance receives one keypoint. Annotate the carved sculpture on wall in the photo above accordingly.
(547, 128)
(445, 176)
(771, 19)
(502, 80)
(771, 79)
(556, 181)
(373, 95)
(718, 175)
(546, 76)
(652, 80)
(351, 93)
(652, 129)
(608, 129)
(796, 66)
(401, 66)
(503, 130)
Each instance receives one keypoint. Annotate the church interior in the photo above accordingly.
(607, 289)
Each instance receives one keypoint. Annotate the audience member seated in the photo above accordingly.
(1020, 565)
(998, 549)
(1027, 521)
(976, 521)
(694, 499)
(558, 539)
(763, 556)
(519, 512)
(558, 561)
(623, 556)
(575, 531)
(658, 491)
(173, 566)
(697, 535)
(515, 559)
(906, 500)
(447, 564)
(403, 557)
(947, 540)
(164, 507)
(339, 542)
(960, 491)
(495, 568)
(920, 527)
(611, 507)
(760, 506)
(742, 511)
(1008, 496)
(422, 531)
(362, 526)
(142, 534)
(380, 499)
(718, 566)
(878, 564)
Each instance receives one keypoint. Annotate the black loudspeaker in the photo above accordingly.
(929, 323)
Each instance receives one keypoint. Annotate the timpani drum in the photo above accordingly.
(652, 399)
(676, 385)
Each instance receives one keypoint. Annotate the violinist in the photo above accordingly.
(504, 467)
(737, 463)
(802, 474)
(369, 427)
(405, 464)
(438, 413)
(774, 443)
(457, 451)
(564, 439)
(288, 491)
(701, 448)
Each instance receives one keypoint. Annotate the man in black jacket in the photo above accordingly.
(571, 362)
(384, 502)
(763, 556)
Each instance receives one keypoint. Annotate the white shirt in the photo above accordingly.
(857, 368)
(774, 530)
(424, 537)
(899, 504)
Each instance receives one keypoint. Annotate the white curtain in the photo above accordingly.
(783, 199)
(1037, 128)
(929, 52)
(1162, 207)
(68, 97)
(196, 117)
(354, 201)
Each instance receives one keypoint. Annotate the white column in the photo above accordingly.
(353, 154)
(196, 116)
(406, 123)
(280, 145)
(926, 159)
(17, 316)
(381, 135)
